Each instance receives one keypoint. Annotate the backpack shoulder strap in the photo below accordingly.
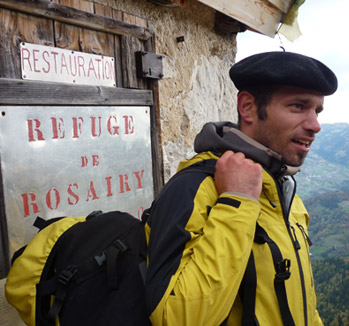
(247, 293)
(205, 166)
(41, 223)
(282, 273)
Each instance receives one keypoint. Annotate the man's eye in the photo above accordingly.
(297, 106)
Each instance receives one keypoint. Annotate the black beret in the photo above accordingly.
(283, 68)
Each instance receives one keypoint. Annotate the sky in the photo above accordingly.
(324, 25)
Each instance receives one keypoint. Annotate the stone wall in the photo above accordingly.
(196, 87)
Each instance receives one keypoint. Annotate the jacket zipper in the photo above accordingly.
(296, 247)
(308, 243)
(305, 236)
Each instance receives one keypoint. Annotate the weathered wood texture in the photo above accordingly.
(282, 5)
(155, 125)
(55, 23)
(116, 14)
(84, 26)
(21, 27)
(263, 16)
(131, 45)
(15, 28)
(73, 16)
(27, 92)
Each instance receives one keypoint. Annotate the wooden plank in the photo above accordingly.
(259, 15)
(115, 42)
(65, 14)
(282, 5)
(117, 14)
(78, 4)
(130, 46)
(155, 122)
(157, 154)
(25, 92)
(83, 39)
(14, 29)
(104, 11)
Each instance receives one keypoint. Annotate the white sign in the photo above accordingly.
(70, 161)
(52, 64)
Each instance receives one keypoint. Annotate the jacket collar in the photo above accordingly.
(221, 136)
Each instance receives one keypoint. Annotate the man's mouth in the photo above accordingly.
(302, 142)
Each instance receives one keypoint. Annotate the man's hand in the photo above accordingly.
(236, 173)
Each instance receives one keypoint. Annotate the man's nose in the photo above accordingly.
(312, 123)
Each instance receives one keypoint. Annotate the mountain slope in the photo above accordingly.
(329, 224)
(323, 184)
(326, 168)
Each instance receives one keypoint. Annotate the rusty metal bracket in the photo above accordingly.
(149, 65)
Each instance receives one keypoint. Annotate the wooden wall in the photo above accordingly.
(77, 25)
(83, 26)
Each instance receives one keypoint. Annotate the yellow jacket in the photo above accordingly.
(199, 249)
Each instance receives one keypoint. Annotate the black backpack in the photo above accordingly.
(84, 270)
(93, 273)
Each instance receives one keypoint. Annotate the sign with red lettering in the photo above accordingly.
(70, 161)
(52, 64)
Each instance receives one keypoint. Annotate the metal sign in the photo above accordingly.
(59, 161)
(52, 64)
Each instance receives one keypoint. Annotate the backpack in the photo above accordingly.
(83, 270)
(91, 271)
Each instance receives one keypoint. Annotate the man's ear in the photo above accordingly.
(246, 106)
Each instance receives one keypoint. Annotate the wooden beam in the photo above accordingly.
(260, 15)
(283, 5)
(72, 16)
(27, 92)
(226, 25)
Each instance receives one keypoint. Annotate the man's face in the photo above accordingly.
(291, 123)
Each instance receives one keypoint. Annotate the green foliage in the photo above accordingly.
(323, 184)
(332, 289)
(329, 224)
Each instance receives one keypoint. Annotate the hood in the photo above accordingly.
(219, 137)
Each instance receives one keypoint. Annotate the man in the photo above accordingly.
(232, 248)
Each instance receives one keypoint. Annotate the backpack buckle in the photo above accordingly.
(283, 270)
(67, 274)
(120, 245)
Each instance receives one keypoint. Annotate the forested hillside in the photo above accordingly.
(324, 186)
(329, 224)
(332, 289)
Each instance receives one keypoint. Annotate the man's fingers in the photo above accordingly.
(236, 173)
